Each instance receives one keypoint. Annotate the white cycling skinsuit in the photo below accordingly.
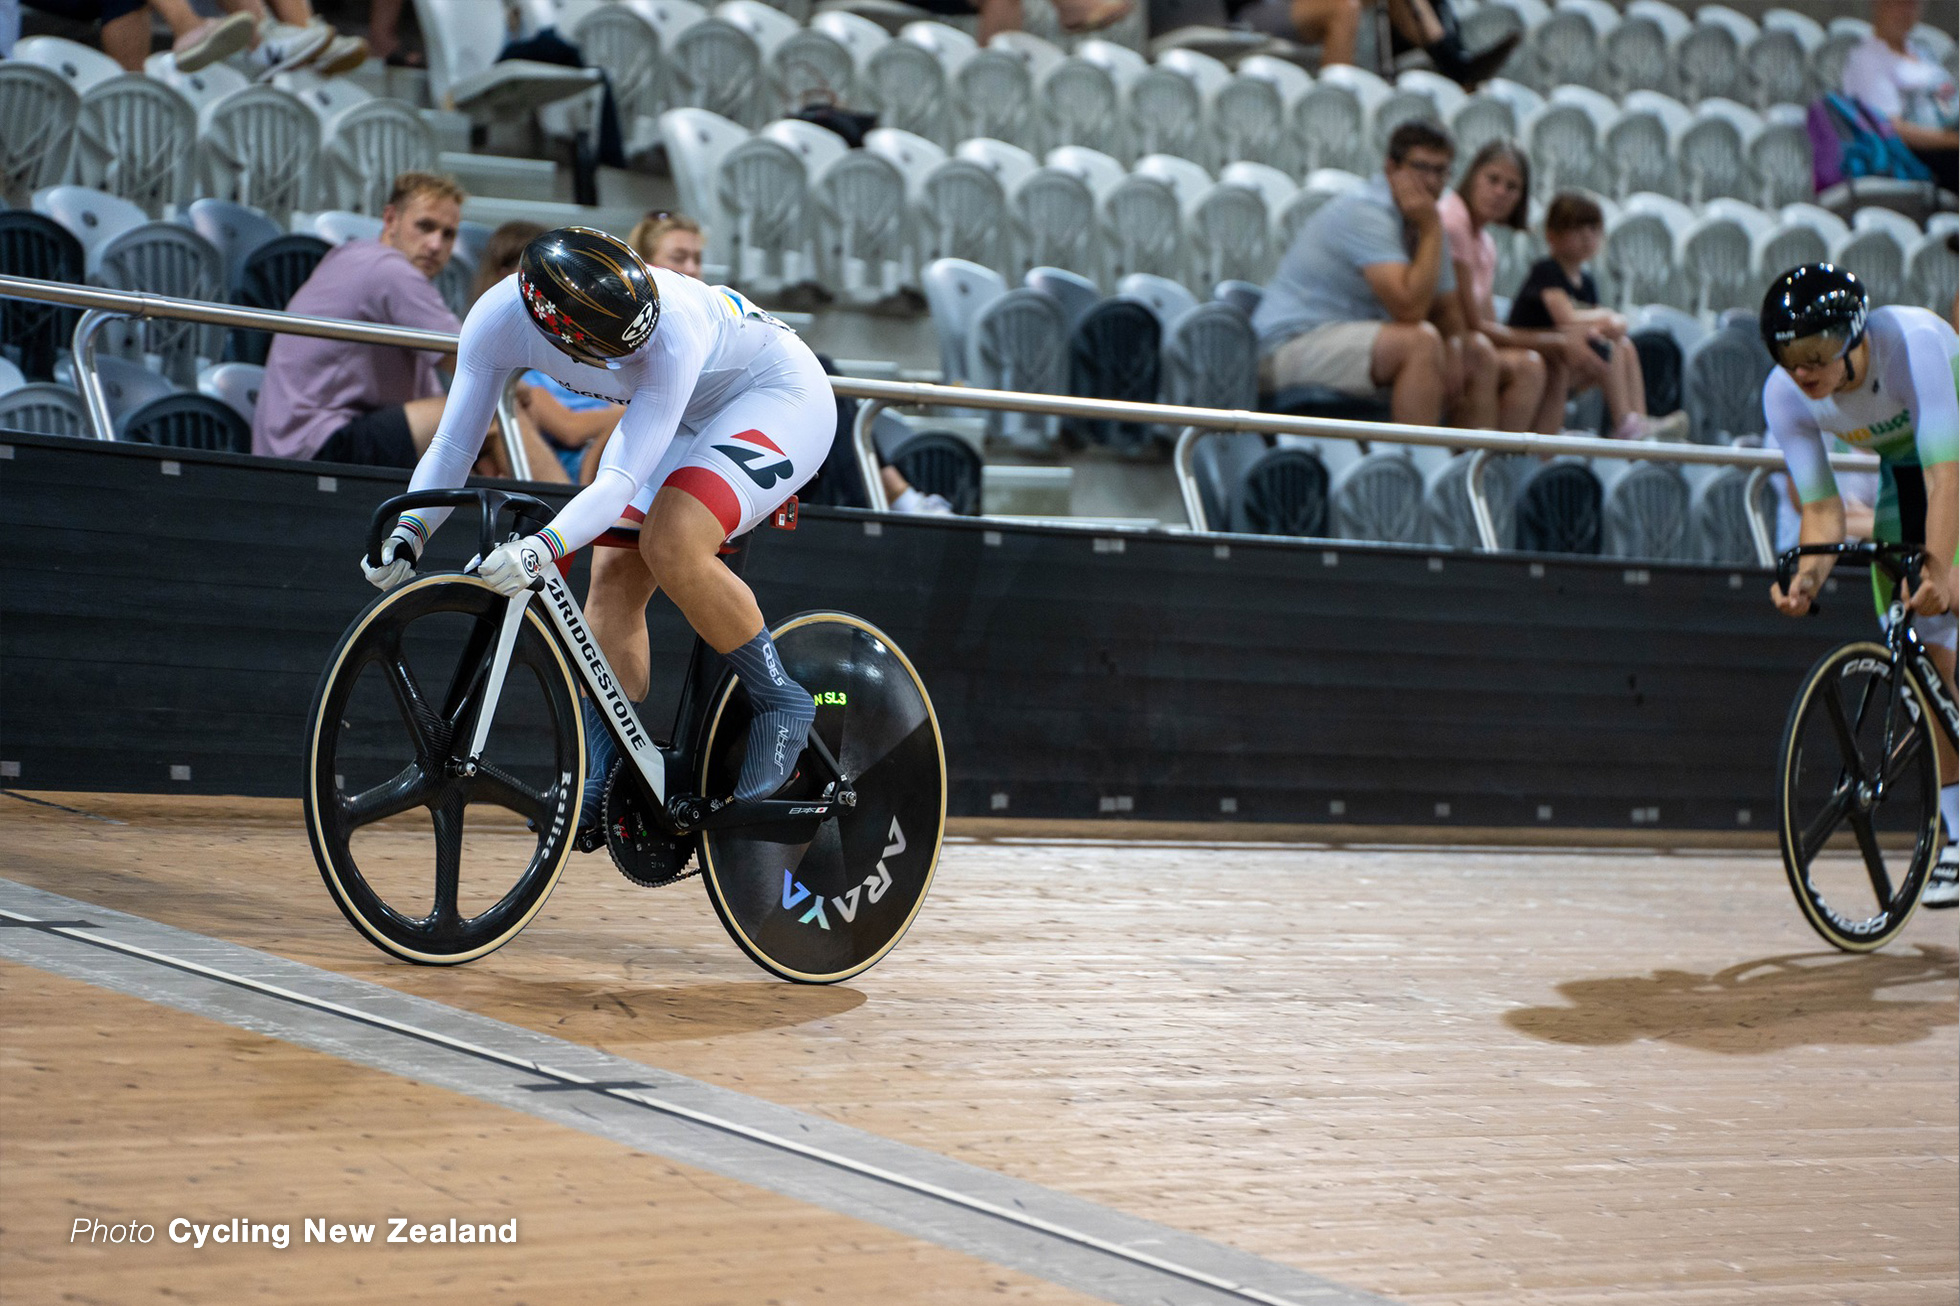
(1906, 410)
(723, 402)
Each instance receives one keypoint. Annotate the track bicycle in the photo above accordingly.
(1860, 767)
(449, 715)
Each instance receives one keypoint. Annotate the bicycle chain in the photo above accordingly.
(643, 852)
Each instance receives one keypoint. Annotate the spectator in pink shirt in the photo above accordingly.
(1496, 190)
(375, 404)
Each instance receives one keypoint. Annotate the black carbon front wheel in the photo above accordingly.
(428, 864)
(826, 910)
(1860, 820)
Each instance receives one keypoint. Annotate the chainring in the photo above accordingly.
(643, 852)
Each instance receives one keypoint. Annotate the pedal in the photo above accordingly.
(785, 519)
(644, 853)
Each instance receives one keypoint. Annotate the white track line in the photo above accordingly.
(673, 1109)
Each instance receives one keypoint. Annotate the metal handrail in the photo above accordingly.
(1196, 422)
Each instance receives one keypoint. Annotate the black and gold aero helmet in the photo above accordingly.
(589, 293)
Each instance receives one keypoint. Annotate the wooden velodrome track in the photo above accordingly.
(1435, 1074)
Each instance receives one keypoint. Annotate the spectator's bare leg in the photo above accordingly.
(998, 16)
(894, 484)
(384, 27)
(1416, 21)
(1475, 405)
(616, 610)
(679, 542)
(538, 451)
(1550, 419)
(588, 465)
(1409, 359)
(127, 39)
(1333, 23)
(1631, 385)
(1520, 389)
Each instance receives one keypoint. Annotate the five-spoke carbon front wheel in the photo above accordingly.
(1860, 796)
(431, 864)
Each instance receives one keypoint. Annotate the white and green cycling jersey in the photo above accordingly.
(1906, 410)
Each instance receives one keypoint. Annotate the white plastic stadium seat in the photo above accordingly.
(1039, 55)
(718, 67)
(1713, 253)
(1903, 229)
(337, 226)
(1877, 258)
(10, 377)
(1078, 105)
(1637, 154)
(811, 68)
(1638, 54)
(1778, 64)
(1709, 154)
(78, 65)
(261, 147)
(1122, 64)
(620, 40)
(213, 82)
(1008, 163)
(464, 72)
(857, 34)
(1209, 75)
(1566, 46)
(993, 96)
(1142, 229)
(815, 146)
(1779, 248)
(137, 138)
(1708, 62)
(1563, 138)
(1185, 178)
(233, 230)
(1322, 185)
(1931, 273)
(1231, 236)
(1274, 186)
(1165, 115)
(1098, 171)
(767, 26)
(1211, 358)
(761, 189)
(1638, 257)
(905, 85)
(1828, 224)
(696, 140)
(1076, 293)
(1248, 121)
(944, 42)
(328, 97)
(370, 145)
(163, 258)
(1167, 298)
(93, 217)
(1479, 120)
(1330, 122)
(961, 212)
(1827, 60)
(237, 384)
(860, 205)
(39, 107)
(1779, 155)
(914, 156)
(1645, 509)
(1054, 221)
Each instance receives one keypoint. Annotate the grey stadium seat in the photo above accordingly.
(1379, 497)
(1646, 509)
(1723, 387)
(1019, 343)
(39, 107)
(1558, 509)
(43, 408)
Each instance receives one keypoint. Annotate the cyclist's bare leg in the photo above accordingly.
(680, 543)
(616, 614)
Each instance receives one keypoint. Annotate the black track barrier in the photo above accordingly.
(165, 615)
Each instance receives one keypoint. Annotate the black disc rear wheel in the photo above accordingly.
(1861, 821)
(429, 864)
(827, 909)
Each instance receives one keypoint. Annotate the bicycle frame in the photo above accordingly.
(683, 813)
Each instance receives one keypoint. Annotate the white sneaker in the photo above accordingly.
(283, 47)
(929, 505)
(343, 55)
(1673, 428)
(219, 38)
(1943, 881)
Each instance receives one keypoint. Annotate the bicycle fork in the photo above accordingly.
(493, 688)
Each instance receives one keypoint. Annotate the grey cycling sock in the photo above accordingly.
(783, 713)
(599, 753)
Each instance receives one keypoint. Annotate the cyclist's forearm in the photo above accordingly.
(1943, 511)
(1823, 523)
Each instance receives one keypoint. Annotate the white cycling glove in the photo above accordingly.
(398, 557)
(515, 567)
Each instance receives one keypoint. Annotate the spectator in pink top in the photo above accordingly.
(375, 404)
(1496, 190)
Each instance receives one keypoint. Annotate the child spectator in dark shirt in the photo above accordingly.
(1559, 294)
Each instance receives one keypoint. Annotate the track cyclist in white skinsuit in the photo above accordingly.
(1886, 380)
(727, 415)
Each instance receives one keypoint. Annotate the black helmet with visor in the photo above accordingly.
(590, 293)
(1813, 315)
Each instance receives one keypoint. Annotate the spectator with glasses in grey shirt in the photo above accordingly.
(1351, 303)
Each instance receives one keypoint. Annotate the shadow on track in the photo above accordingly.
(1757, 1006)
